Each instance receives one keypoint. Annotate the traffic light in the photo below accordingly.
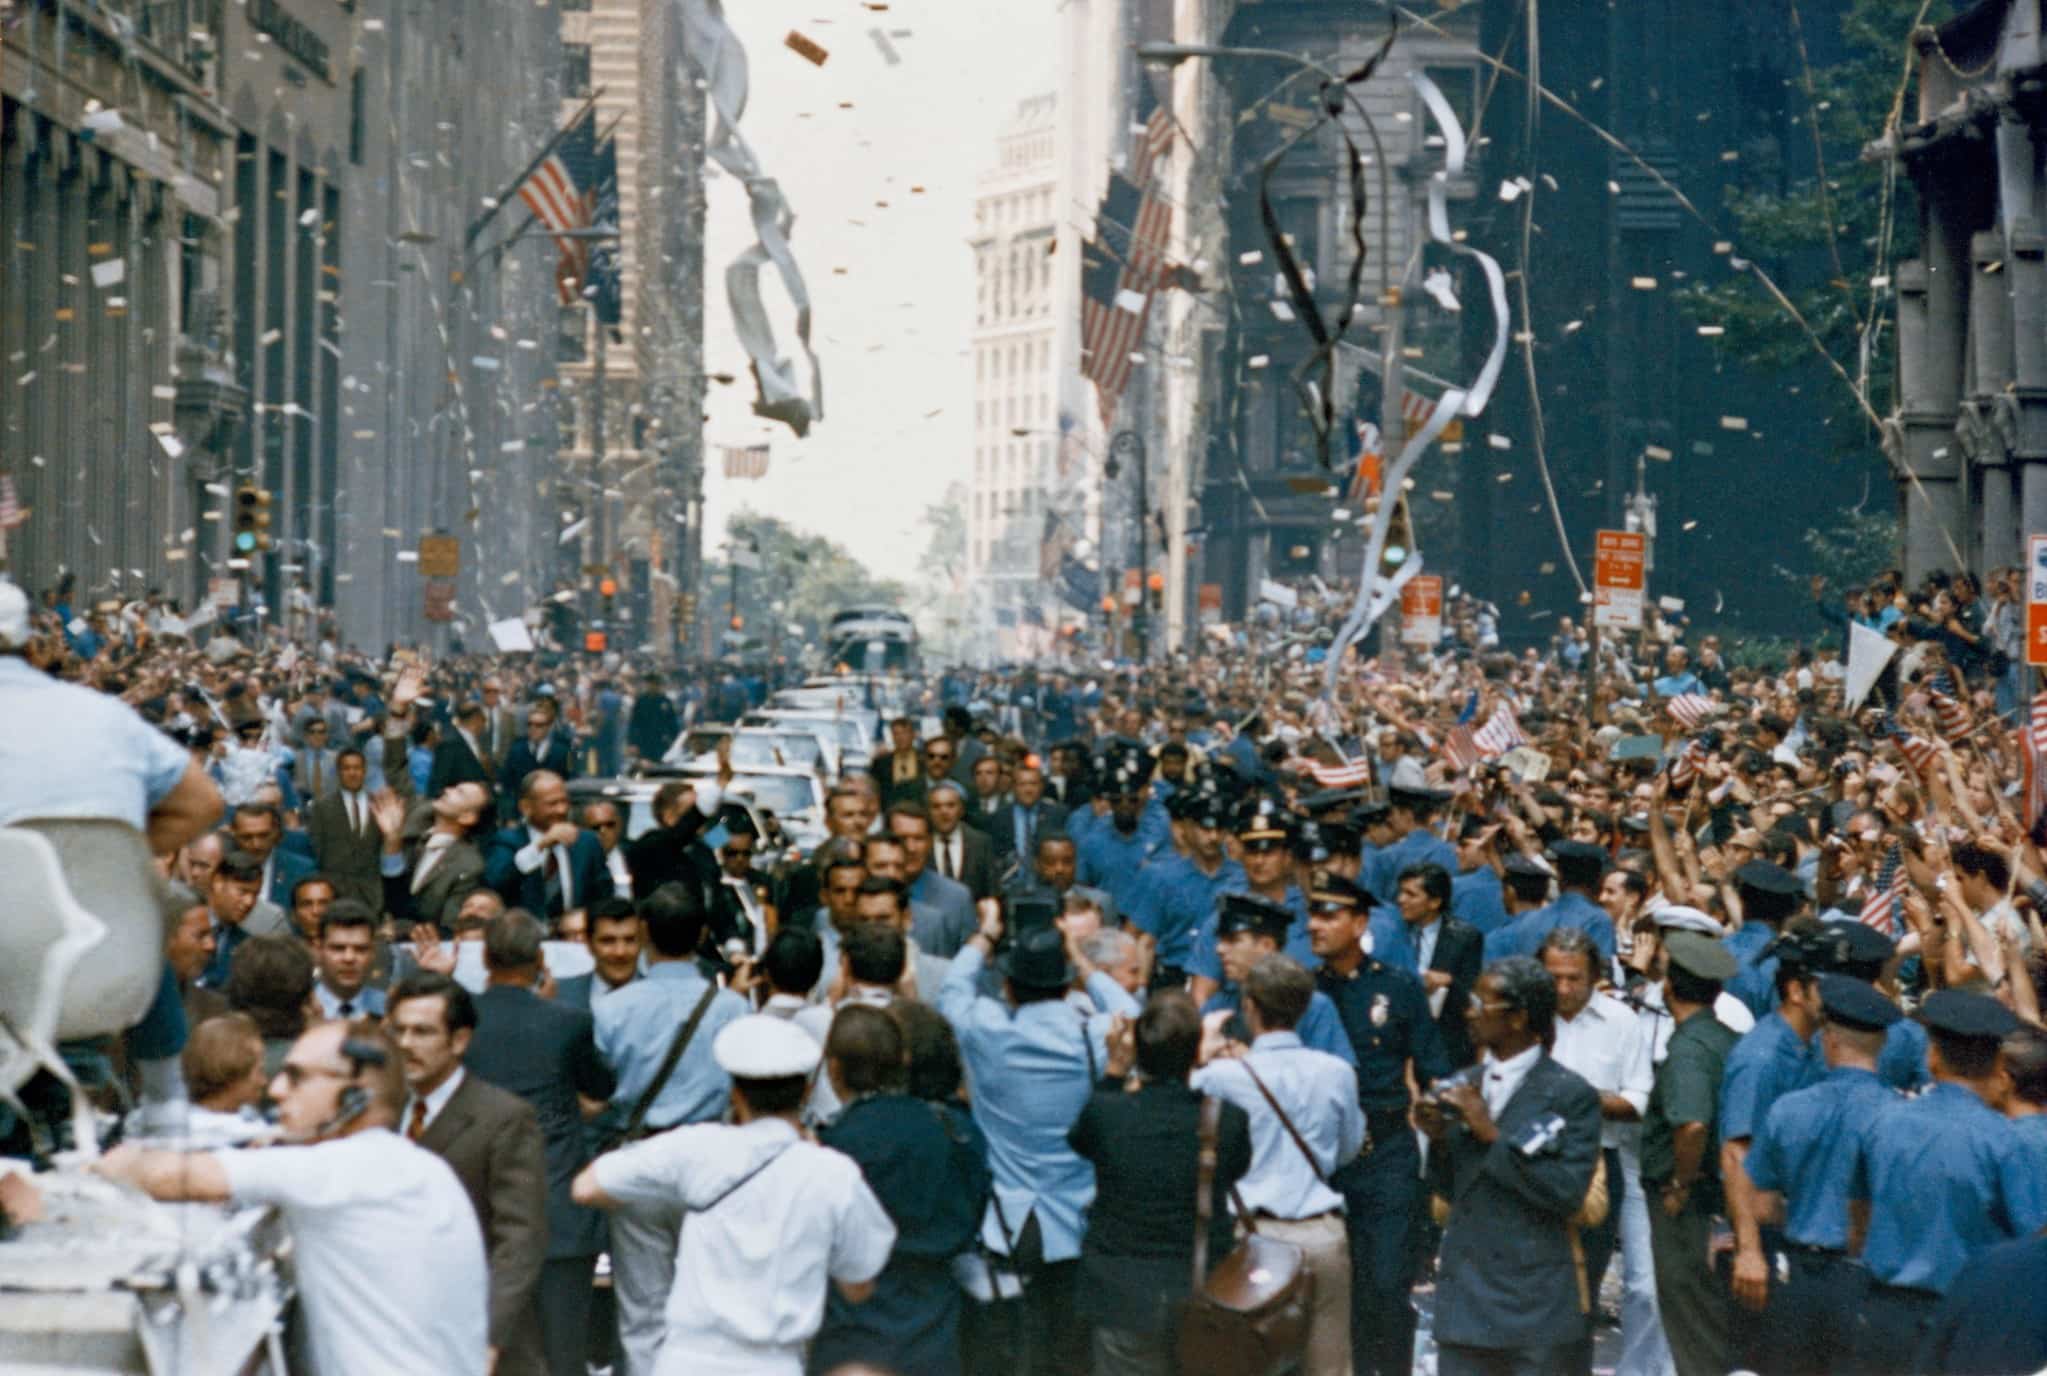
(1399, 540)
(251, 520)
(738, 623)
(607, 588)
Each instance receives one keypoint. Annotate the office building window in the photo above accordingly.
(575, 70)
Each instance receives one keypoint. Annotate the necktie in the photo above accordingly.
(551, 876)
(313, 758)
(348, 1011)
(416, 1129)
(355, 813)
(947, 852)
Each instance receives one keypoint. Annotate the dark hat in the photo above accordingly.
(1205, 809)
(1766, 876)
(1329, 799)
(1852, 1003)
(1180, 804)
(1341, 838)
(1853, 945)
(1264, 818)
(1417, 799)
(1700, 955)
(1804, 948)
(1247, 912)
(1525, 867)
(1369, 814)
(1309, 844)
(1578, 862)
(1036, 959)
(1333, 891)
(1971, 1017)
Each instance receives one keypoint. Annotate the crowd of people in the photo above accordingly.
(1609, 991)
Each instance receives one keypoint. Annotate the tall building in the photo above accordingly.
(1017, 420)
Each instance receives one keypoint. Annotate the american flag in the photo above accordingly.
(11, 514)
(1688, 764)
(746, 461)
(1465, 747)
(2033, 747)
(1880, 909)
(1354, 774)
(561, 193)
(1126, 262)
(1690, 709)
(1920, 752)
(1368, 445)
(1948, 707)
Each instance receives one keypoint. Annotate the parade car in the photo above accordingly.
(850, 733)
(775, 744)
(784, 805)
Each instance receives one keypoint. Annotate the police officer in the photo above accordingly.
(1264, 831)
(1860, 951)
(1410, 811)
(1374, 822)
(1579, 868)
(1180, 890)
(1798, 1164)
(1770, 896)
(1680, 1160)
(1943, 1177)
(1386, 1016)
(1250, 928)
(1772, 1059)
(1113, 853)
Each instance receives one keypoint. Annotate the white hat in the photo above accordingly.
(1677, 917)
(757, 1047)
(14, 610)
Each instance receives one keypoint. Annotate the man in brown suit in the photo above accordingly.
(492, 1140)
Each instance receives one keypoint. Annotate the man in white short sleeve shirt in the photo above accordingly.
(769, 1218)
(390, 1262)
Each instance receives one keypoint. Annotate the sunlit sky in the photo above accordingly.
(891, 329)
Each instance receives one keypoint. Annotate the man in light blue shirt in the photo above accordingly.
(635, 1027)
(1411, 810)
(1287, 1190)
(1032, 1061)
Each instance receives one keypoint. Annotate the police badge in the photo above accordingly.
(1381, 1007)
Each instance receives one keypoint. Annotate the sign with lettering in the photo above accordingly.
(1618, 567)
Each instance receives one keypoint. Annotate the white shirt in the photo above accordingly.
(357, 809)
(1606, 1045)
(750, 1273)
(431, 850)
(951, 854)
(1425, 943)
(1731, 1012)
(1502, 1078)
(621, 876)
(435, 1101)
(532, 856)
(363, 1003)
(1320, 1094)
(389, 1256)
(816, 1019)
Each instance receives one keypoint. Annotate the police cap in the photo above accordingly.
(1700, 955)
(1767, 876)
(1247, 912)
(1852, 1003)
(1966, 1016)
(1264, 818)
(1578, 862)
(1856, 948)
(758, 1047)
(1330, 799)
(1676, 917)
(1332, 892)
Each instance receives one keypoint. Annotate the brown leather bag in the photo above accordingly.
(1250, 1315)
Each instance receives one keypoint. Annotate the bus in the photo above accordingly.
(871, 640)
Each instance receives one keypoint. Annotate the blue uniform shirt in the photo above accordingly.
(1805, 1148)
(1476, 900)
(1380, 873)
(1177, 899)
(1204, 961)
(1903, 1062)
(1769, 1062)
(1755, 984)
(1946, 1177)
(636, 1023)
(1524, 934)
(1320, 1029)
(1386, 1016)
(1111, 860)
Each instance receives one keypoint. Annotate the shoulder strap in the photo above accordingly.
(669, 1062)
(1285, 1121)
(734, 1187)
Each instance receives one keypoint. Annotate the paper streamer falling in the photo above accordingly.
(1375, 594)
(719, 57)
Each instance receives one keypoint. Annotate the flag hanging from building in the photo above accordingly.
(1125, 263)
(2033, 750)
(604, 287)
(559, 192)
(1052, 547)
(11, 514)
(1367, 444)
(746, 461)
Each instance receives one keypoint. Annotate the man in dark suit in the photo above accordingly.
(671, 852)
(500, 726)
(343, 828)
(546, 864)
(899, 770)
(958, 851)
(546, 1054)
(1517, 1145)
(492, 1140)
(1016, 826)
(1449, 954)
(460, 758)
(542, 747)
(258, 831)
(441, 865)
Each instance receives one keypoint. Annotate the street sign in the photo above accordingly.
(224, 592)
(1209, 599)
(440, 556)
(1421, 610)
(2036, 599)
(1617, 579)
(440, 599)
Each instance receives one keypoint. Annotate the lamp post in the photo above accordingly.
(1130, 442)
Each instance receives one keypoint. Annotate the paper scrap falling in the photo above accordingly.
(108, 272)
(1642, 283)
(1437, 285)
(888, 49)
(1734, 422)
(805, 48)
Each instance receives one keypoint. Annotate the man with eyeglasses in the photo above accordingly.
(739, 907)
(347, 1185)
(608, 823)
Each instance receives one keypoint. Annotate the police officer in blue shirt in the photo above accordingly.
(1477, 894)
(1386, 1016)
(1374, 822)
(1579, 867)
(1770, 897)
(1940, 1178)
(1250, 928)
(1114, 853)
(1797, 1166)
(1860, 951)
(1264, 833)
(1410, 811)
(1180, 891)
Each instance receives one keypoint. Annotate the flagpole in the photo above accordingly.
(490, 213)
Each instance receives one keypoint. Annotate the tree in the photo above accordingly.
(801, 581)
(1828, 227)
(941, 594)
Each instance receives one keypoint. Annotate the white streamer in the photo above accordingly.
(718, 55)
(1377, 595)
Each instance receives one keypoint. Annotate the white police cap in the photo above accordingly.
(757, 1047)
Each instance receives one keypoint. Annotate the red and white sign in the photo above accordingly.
(2036, 599)
(1421, 610)
(1617, 579)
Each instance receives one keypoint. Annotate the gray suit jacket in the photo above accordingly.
(1507, 1279)
(453, 878)
(492, 1140)
(346, 856)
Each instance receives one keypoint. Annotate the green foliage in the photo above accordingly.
(809, 576)
(1827, 242)
(1855, 548)
(942, 604)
